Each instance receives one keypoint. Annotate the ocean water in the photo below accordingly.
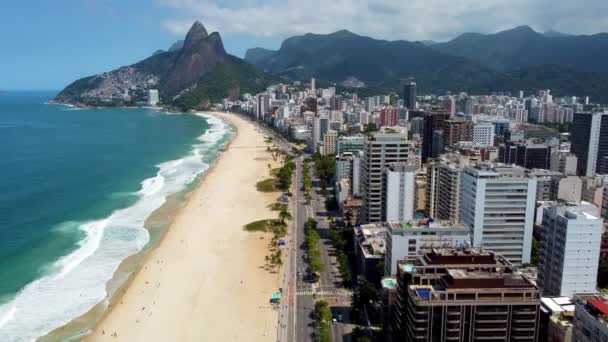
(76, 187)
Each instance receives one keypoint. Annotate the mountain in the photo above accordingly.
(522, 46)
(554, 34)
(343, 54)
(198, 73)
(178, 45)
(258, 55)
(381, 64)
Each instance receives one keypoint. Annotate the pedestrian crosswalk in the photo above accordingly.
(318, 293)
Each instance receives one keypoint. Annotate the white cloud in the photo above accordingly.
(388, 19)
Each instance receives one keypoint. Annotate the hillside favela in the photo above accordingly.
(277, 171)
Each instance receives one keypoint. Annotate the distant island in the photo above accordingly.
(192, 74)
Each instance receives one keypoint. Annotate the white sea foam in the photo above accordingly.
(8, 316)
(77, 281)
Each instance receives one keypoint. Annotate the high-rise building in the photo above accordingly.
(409, 95)
(153, 97)
(570, 240)
(462, 295)
(526, 154)
(589, 141)
(389, 116)
(443, 187)
(417, 126)
(433, 121)
(483, 134)
(335, 102)
(344, 166)
(263, 105)
(313, 90)
(399, 187)
(355, 184)
(320, 126)
(329, 143)
(370, 104)
(498, 206)
(456, 130)
(449, 104)
(381, 149)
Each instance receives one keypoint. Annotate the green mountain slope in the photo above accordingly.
(228, 80)
(197, 72)
(381, 64)
(522, 47)
(342, 54)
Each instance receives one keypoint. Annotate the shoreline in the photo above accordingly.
(158, 224)
(124, 294)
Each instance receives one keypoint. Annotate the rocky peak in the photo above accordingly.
(201, 54)
(196, 34)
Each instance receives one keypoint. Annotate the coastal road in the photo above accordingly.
(296, 321)
(303, 323)
(338, 297)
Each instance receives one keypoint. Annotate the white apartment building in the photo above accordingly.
(570, 249)
(406, 239)
(483, 134)
(498, 206)
(381, 149)
(399, 192)
(153, 98)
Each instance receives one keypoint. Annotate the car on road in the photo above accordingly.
(334, 321)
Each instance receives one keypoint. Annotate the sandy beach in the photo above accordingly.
(205, 282)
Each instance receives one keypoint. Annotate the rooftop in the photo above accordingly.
(371, 240)
(424, 223)
(595, 304)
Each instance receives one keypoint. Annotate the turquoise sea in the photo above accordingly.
(75, 189)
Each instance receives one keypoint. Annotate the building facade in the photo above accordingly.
(409, 239)
(589, 141)
(498, 206)
(381, 150)
(463, 295)
(483, 134)
(570, 249)
(443, 187)
(399, 187)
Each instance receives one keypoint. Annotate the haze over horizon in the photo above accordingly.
(69, 40)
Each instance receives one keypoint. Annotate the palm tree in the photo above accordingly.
(284, 215)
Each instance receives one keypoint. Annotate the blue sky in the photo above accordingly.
(48, 44)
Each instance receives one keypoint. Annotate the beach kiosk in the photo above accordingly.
(276, 298)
